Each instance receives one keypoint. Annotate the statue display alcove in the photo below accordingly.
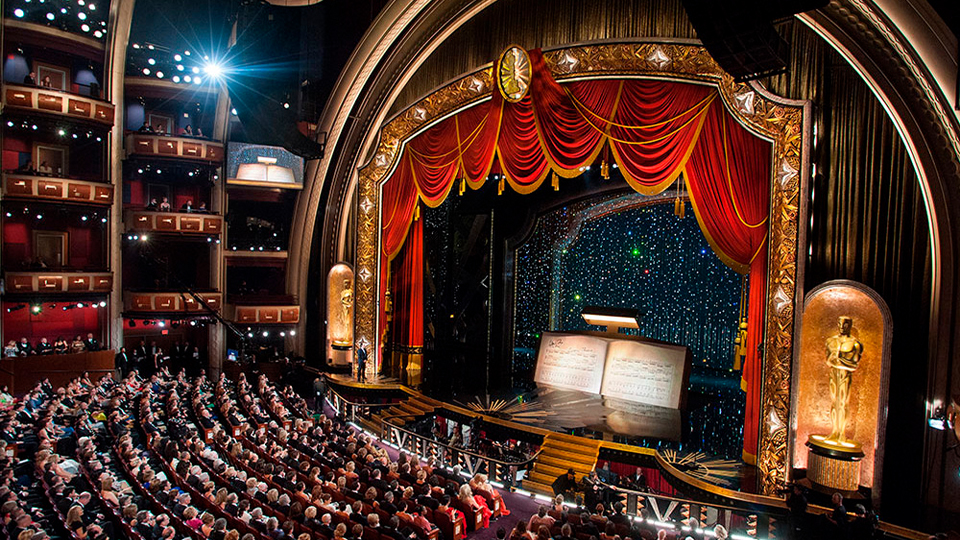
(841, 375)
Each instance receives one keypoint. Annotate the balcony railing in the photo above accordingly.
(153, 145)
(57, 102)
(286, 314)
(170, 302)
(29, 186)
(173, 222)
(58, 282)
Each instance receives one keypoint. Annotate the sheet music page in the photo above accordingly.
(571, 361)
(644, 373)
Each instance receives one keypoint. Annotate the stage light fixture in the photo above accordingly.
(612, 318)
(18, 13)
(79, 304)
(98, 33)
(293, 332)
(161, 324)
(266, 334)
(85, 27)
(36, 309)
(83, 218)
(176, 78)
(159, 74)
(213, 69)
(103, 303)
(143, 238)
(82, 16)
(151, 61)
(177, 58)
(146, 71)
(61, 132)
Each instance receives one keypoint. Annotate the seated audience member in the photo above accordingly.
(91, 343)
(30, 79)
(165, 205)
(44, 347)
(11, 350)
(24, 348)
(77, 346)
(60, 346)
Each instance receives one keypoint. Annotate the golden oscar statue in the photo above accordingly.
(834, 459)
(843, 355)
(346, 305)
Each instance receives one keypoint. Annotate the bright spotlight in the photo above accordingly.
(18, 13)
(146, 71)
(213, 69)
(50, 16)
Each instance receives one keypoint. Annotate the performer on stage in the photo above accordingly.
(361, 364)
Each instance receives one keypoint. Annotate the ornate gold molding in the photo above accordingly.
(779, 120)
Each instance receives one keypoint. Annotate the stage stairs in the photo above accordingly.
(558, 453)
(414, 407)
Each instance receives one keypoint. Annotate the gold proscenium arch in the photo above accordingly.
(784, 122)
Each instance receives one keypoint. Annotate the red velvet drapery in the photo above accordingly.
(730, 195)
(654, 129)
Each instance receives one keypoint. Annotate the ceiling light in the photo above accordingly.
(146, 71)
(50, 16)
(151, 61)
(18, 13)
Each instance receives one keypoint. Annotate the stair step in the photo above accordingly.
(537, 487)
(562, 456)
(554, 471)
(572, 447)
(541, 478)
(561, 462)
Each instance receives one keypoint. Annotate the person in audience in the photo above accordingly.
(153, 205)
(202, 208)
(165, 205)
(77, 346)
(11, 350)
(541, 518)
(46, 82)
(24, 348)
(187, 206)
(159, 129)
(520, 532)
(145, 128)
(44, 347)
(60, 346)
(91, 343)
(30, 79)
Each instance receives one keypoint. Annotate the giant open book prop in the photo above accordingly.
(632, 369)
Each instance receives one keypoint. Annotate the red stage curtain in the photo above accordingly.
(655, 131)
(730, 195)
(407, 289)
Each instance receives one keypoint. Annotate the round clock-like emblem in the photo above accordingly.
(514, 74)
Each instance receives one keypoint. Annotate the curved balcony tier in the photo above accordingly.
(173, 222)
(170, 302)
(287, 314)
(58, 282)
(54, 102)
(28, 186)
(164, 146)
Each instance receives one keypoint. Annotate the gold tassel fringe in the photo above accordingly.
(605, 170)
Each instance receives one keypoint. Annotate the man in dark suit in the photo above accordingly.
(24, 347)
(121, 361)
(361, 364)
(91, 343)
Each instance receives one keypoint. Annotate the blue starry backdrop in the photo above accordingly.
(616, 253)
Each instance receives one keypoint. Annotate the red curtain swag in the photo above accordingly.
(655, 130)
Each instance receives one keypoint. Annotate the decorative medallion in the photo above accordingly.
(514, 74)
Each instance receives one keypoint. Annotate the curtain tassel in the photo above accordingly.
(605, 170)
(740, 345)
(555, 181)
(501, 186)
(679, 209)
(416, 213)
(463, 186)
